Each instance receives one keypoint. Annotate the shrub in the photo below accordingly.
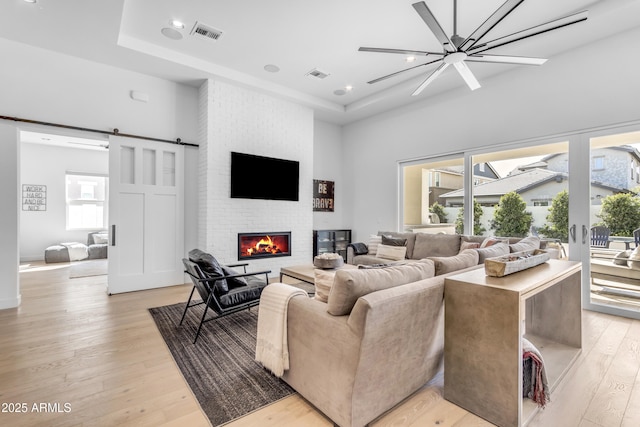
(438, 209)
(557, 226)
(620, 213)
(510, 218)
(478, 229)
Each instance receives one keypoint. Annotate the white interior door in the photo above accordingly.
(146, 214)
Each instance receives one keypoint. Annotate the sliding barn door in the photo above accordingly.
(146, 214)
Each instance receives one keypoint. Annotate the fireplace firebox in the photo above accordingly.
(264, 245)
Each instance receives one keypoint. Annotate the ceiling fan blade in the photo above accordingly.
(504, 59)
(402, 71)
(432, 23)
(431, 78)
(491, 22)
(549, 26)
(400, 51)
(467, 75)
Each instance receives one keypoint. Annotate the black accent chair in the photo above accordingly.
(226, 293)
(600, 237)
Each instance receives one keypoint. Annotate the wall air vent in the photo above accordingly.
(317, 74)
(206, 31)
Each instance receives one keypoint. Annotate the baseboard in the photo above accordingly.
(10, 302)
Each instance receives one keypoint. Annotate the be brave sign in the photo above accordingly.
(323, 195)
(34, 197)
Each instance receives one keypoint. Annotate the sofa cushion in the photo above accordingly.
(394, 253)
(209, 266)
(527, 244)
(466, 258)
(430, 245)
(498, 249)
(411, 239)
(370, 260)
(349, 285)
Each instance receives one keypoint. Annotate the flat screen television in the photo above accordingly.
(258, 177)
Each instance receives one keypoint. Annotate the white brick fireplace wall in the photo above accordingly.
(233, 118)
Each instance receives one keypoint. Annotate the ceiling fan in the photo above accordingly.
(457, 51)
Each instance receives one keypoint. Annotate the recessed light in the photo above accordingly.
(348, 88)
(30, 1)
(271, 68)
(177, 24)
(171, 33)
(410, 58)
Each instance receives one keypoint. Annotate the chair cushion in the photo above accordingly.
(234, 282)
(210, 267)
(248, 293)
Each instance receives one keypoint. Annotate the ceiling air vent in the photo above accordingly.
(206, 31)
(317, 73)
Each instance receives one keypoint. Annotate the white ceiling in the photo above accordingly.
(298, 36)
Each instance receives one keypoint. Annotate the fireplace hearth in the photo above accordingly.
(263, 245)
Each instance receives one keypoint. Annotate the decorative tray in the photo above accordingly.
(512, 263)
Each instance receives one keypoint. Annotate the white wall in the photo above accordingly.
(41, 85)
(592, 86)
(9, 169)
(238, 119)
(328, 165)
(47, 165)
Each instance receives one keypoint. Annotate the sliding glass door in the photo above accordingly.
(611, 281)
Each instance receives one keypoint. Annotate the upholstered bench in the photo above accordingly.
(56, 253)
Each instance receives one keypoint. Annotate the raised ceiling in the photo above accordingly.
(298, 37)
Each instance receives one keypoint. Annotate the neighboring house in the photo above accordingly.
(613, 170)
(536, 186)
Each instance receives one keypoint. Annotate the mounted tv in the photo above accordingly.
(258, 177)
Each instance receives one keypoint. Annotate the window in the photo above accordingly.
(633, 169)
(597, 163)
(86, 197)
(437, 175)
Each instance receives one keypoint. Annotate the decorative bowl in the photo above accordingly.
(321, 261)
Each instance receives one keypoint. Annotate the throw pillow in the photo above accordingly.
(466, 258)
(495, 250)
(100, 238)
(634, 259)
(374, 241)
(351, 284)
(489, 241)
(393, 241)
(464, 245)
(210, 267)
(395, 253)
(233, 282)
(527, 244)
(622, 257)
(411, 240)
(323, 280)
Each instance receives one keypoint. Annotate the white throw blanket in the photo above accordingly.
(77, 251)
(272, 349)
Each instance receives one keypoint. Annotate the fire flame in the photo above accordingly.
(264, 245)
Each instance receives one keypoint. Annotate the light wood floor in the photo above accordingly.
(70, 343)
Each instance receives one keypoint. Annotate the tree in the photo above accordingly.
(478, 229)
(620, 213)
(557, 226)
(438, 209)
(510, 218)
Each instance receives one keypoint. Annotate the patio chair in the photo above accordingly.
(636, 237)
(224, 291)
(600, 237)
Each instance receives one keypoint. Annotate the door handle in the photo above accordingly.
(572, 232)
(113, 234)
(585, 232)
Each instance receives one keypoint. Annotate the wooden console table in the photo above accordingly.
(485, 318)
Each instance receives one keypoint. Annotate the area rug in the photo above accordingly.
(92, 267)
(220, 368)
